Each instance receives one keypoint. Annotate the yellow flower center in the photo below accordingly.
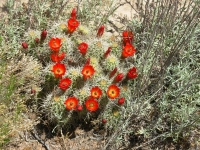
(112, 92)
(91, 105)
(58, 71)
(87, 72)
(95, 93)
(71, 104)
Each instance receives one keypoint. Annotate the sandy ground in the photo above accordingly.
(124, 10)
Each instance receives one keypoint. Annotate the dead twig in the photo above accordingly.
(134, 148)
(61, 8)
(39, 140)
(132, 6)
(63, 138)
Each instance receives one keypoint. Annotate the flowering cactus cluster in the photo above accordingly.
(92, 71)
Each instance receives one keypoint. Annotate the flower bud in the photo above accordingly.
(107, 52)
(121, 101)
(100, 31)
(87, 61)
(37, 40)
(43, 35)
(112, 73)
(104, 121)
(33, 91)
(24, 45)
(73, 13)
(79, 107)
(119, 77)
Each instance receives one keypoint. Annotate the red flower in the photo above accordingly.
(91, 104)
(113, 91)
(55, 57)
(71, 103)
(127, 37)
(112, 73)
(65, 83)
(59, 70)
(24, 45)
(87, 71)
(83, 48)
(43, 35)
(96, 92)
(100, 31)
(132, 73)
(107, 52)
(72, 25)
(73, 13)
(55, 44)
(121, 101)
(128, 50)
(119, 77)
